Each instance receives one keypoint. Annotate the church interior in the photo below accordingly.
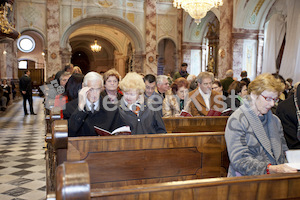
(143, 36)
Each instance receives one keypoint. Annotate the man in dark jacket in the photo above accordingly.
(91, 110)
(227, 81)
(3, 100)
(26, 91)
(287, 113)
(182, 72)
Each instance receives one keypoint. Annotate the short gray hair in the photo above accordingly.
(92, 76)
(191, 77)
(160, 79)
(229, 73)
(204, 75)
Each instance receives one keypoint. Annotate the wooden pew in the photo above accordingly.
(139, 159)
(195, 124)
(73, 183)
(50, 116)
(173, 125)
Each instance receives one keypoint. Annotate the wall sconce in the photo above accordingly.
(4, 52)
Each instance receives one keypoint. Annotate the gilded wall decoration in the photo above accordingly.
(77, 12)
(255, 12)
(130, 17)
(104, 3)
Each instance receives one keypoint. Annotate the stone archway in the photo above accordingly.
(132, 34)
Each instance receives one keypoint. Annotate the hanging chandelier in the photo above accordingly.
(197, 9)
(95, 47)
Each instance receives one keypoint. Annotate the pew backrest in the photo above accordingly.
(271, 186)
(195, 124)
(139, 159)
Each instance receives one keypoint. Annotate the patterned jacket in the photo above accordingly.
(171, 106)
(253, 142)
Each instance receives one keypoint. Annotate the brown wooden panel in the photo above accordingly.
(295, 183)
(248, 187)
(143, 164)
(243, 191)
(195, 124)
(154, 158)
(183, 194)
(164, 195)
(276, 190)
(204, 193)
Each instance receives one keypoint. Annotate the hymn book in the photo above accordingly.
(124, 130)
(214, 113)
(293, 157)
(184, 113)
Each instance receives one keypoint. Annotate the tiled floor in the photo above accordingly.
(22, 163)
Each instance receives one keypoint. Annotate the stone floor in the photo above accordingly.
(22, 153)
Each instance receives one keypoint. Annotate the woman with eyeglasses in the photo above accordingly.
(254, 136)
(174, 104)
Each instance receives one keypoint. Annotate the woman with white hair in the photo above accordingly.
(141, 118)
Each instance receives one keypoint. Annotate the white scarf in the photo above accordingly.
(206, 98)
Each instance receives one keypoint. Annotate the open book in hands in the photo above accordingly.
(293, 157)
(124, 130)
(226, 112)
(184, 113)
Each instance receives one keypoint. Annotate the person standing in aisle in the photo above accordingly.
(26, 91)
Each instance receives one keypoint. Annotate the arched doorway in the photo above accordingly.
(166, 57)
(80, 59)
(114, 35)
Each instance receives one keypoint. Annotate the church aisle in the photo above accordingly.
(22, 163)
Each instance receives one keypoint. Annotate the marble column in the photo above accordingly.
(138, 60)
(54, 62)
(260, 52)
(186, 53)
(8, 61)
(151, 53)
(3, 54)
(66, 55)
(179, 38)
(247, 51)
(225, 38)
(120, 60)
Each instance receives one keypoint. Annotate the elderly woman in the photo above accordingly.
(254, 136)
(174, 104)
(111, 82)
(141, 118)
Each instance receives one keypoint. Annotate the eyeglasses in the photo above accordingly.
(270, 99)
